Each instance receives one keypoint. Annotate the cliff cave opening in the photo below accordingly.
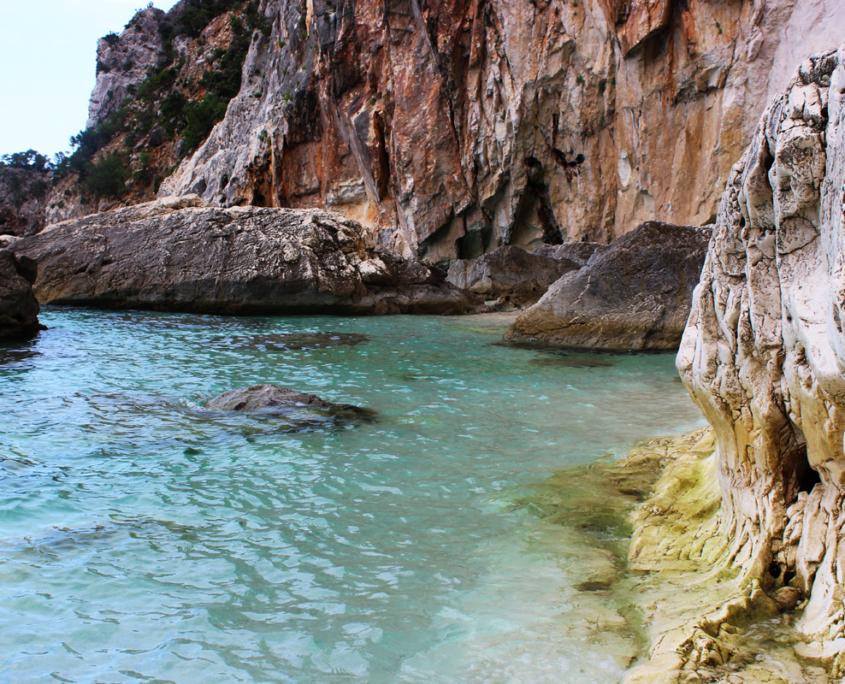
(798, 475)
(536, 203)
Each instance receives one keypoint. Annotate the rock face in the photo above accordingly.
(22, 203)
(634, 295)
(449, 128)
(578, 252)
(269, 399)
(18, 306)
(123, 62)
(452, 128)
(509, 274)
(764, 351)
(181, 255)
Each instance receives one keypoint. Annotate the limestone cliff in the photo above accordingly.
(448, 128)
(475, 124)
(764, 350)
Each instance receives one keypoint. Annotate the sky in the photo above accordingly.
(48, 63)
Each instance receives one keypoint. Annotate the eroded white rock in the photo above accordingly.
(763, 354)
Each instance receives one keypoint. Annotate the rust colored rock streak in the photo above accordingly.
(451, 128)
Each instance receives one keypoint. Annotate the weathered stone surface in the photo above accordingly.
(123, 62)
(509, 274)
(636, 294)
(764, 350)
(181, 255)
(578, 252)
(270, 399)
(18, 306)
(644, 18)
(451, 128)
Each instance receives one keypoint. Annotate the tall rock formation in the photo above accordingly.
(764, 350)
(469, 125)
(123, 62)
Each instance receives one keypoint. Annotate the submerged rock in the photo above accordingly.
(573, 361)
(294, 341)
(18, 306)
(270, 399)
(509, 274)
(634, 295)
(181, 255)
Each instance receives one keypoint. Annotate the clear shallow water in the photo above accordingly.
(142, 539)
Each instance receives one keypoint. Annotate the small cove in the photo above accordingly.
(144, 539)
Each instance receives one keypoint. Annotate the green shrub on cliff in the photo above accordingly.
(25, 160)
(197, 14)
(107, 177)
(201, 118)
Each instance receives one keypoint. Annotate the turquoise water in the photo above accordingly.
(142, 539)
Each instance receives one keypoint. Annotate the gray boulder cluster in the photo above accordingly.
(179, 254)
(633, 294)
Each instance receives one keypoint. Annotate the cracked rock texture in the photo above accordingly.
(451, 128)
(270, 400)
(122, 63)
(633, 295)
(181, 255)
(18, 306)
(764, 351)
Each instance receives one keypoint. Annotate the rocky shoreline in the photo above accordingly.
(699, 618)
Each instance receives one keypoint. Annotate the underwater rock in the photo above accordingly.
(634, 295)
(509, 274)
(573, 361)
(270, 399)
(294, 341)
(18, 306)
(178, 254)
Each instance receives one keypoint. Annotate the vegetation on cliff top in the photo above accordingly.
(185, 110)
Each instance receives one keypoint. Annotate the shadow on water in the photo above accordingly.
(12, 353)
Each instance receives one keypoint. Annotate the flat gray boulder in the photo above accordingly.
(270, 399)
(179, 254)
(18, 306)
(509, 274)
(634, 295)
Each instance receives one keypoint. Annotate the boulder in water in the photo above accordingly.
(270, 399)
(18, 306)
(178, 254)
(635, 294)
